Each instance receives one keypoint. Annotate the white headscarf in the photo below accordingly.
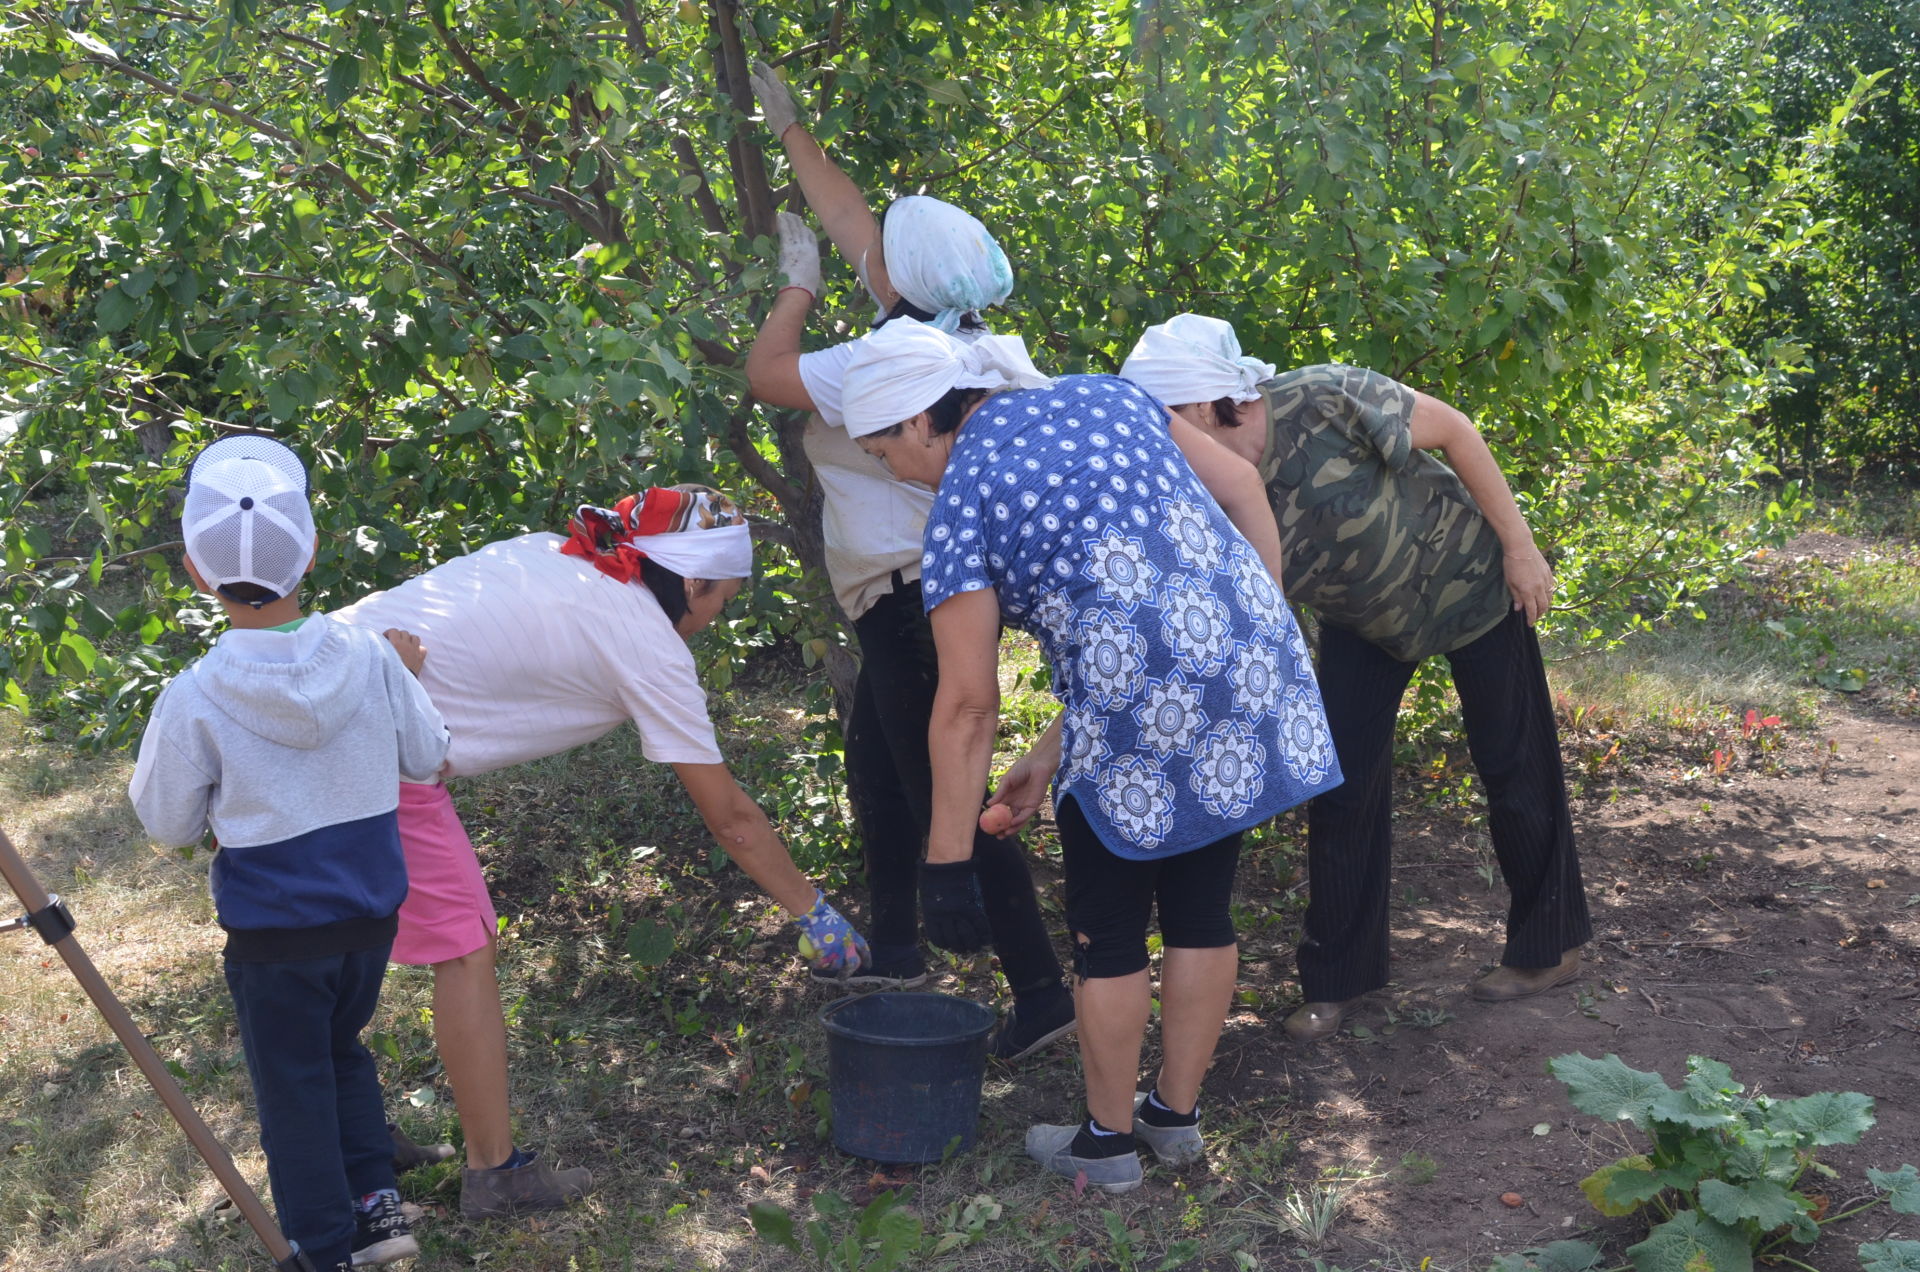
(1193, 358)
(905, 367)
(942, 260)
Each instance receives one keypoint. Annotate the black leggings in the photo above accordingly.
(890, 780)
(1110, 898)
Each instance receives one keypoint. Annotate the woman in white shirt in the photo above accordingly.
(540, 644)
(927, 260)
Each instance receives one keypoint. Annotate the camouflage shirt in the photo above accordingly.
(1379, 538)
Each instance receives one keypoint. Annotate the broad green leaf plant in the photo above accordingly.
(1723, 1177)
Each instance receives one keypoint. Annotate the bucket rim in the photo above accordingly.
(840, 1030)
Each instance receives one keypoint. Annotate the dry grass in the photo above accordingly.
(689, 1088)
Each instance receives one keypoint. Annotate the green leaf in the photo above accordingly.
(587, 171)
(624, 389)
(1627, 1188)
(1901, 1186)
(1890, 1256)
(1844, 679)
(343, 78)
(91, 43)
(114, 310)
(1767, 1203)
(948, 92)
(773, 1225)
(1560, 1256)
(281, 401)
(607, 96)
(1691, 1242)
(1708, 1080)
(75, 655)
(649, 943)
(1681, 1108)
(1829, 1117)
(1607, 1088)
(896, 1230)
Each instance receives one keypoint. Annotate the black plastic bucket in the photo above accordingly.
(904, 1071)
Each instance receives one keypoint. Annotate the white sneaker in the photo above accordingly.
(1174, 1145)
(1052, 1147)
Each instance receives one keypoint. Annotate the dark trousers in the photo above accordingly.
(321, 1121)
(1515, 746)
(890, 780)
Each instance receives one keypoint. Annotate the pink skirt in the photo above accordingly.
(447, 912)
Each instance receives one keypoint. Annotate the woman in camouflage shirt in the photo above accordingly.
(1401, 557)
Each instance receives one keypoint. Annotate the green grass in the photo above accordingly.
(1843, 606)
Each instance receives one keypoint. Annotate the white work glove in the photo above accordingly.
(799, 254)
(777, 106)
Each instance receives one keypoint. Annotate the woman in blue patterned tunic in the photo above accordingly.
(1077, 509)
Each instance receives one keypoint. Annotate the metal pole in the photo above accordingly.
(48, 916)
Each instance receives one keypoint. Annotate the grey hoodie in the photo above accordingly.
(271, 735)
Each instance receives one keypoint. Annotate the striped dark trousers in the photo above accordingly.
(1515, 747)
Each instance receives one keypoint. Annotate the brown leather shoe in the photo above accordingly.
(1312, 1022)
(500, 1194)
(1504, 984)
(408, 1155)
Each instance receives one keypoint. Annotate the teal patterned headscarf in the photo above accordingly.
(942, 260)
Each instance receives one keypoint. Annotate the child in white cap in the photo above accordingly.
(288, 740)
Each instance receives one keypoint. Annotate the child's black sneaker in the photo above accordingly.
(381, 1233)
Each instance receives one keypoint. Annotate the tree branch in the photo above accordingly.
(636, 30)
(710, 214)
(774, 532)
(790, 496)
(530, 132)
(749, 165)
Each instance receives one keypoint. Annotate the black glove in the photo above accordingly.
(950, 906)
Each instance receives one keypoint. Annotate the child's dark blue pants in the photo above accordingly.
(321, 1120)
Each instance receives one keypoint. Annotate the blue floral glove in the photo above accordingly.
(829, 942)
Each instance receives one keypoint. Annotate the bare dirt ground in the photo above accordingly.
(1768, 920)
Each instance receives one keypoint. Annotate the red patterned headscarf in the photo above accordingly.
(696, 532)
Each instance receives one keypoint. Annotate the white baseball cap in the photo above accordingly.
(246, 518)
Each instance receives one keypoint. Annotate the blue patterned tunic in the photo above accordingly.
(1191, 708)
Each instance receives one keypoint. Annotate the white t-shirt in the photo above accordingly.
(872, 524)
(531, 652)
